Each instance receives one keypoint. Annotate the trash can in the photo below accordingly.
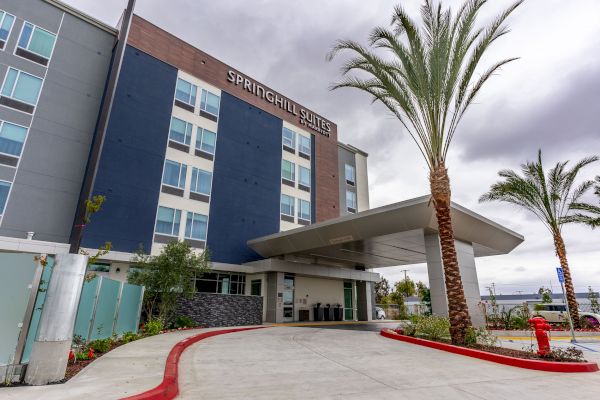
(328, 313)
(303, 315)
(318, 312)
(338, 313)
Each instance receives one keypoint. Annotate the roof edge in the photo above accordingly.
(83, 16)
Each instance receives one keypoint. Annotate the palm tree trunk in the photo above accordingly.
(460, 320)
(561, 253)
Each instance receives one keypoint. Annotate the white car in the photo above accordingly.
(379, 313)
(557, 313)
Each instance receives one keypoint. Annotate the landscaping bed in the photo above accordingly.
(515, 358)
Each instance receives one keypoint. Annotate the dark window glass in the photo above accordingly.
(206, 286)
(256, 288)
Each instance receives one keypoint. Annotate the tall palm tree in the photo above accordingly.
(592, 218)
(549, 198)
(426, 78)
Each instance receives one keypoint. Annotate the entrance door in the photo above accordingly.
(348, 303)
(288, 298)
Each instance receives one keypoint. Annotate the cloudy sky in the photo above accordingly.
(548, 99)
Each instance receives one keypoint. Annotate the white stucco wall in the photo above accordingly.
(309, 291)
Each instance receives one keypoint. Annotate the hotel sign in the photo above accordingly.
(306, 118)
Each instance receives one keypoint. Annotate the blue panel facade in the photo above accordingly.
(131, 164)
(246, 180)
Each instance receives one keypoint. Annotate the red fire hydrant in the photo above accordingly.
(541, 327)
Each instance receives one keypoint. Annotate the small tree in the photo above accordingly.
(167, 276)
(546, 295)
(425, 295)
(593, 298)
(382, 290)
(406, 286)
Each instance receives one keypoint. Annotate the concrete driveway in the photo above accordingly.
(325, 363)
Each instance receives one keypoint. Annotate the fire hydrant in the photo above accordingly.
(541, 327)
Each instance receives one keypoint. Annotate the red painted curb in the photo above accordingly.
(549, 366)
(169, 387)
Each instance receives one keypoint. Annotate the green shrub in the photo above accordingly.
(100, 345)
(153, 327)
(571, 354)
(518, 322)
(471, 337)
(81, 356)
(184, 322)
(409, 329)
(129, 337)
(433, 327)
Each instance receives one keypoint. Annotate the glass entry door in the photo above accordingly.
(288, 298)
(348, 303)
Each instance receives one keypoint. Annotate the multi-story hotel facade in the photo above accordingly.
(185, 147)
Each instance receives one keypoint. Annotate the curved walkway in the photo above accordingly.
(315, 363)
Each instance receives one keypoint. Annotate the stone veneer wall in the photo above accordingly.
(214, 309)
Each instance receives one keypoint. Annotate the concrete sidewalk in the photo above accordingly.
(313, 363)
(127, 370)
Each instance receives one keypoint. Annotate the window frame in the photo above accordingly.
(203, 97)
(3, 206)
(348, 207)
(185, 230)
(198, 171)
(200, 137)
(293, 205)
(19, 72)
(2, 122)
(182, 167)
(309, 185)
(187, 137)
(300, 150)
(283, 144)
(237, 280)
(192, 86)
(25, 22)
(12, 25)
(176, 211)
(300, 216)
(293, 171)
(351, 182)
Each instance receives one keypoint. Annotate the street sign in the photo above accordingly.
(561, 276)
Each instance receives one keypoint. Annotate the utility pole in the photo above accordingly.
(405, 276)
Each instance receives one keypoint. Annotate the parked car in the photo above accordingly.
(379, 313)
(557, 313)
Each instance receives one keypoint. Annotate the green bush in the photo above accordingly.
(183, 322)
(433, 327)
(81, 356)
(129, 337)
(409, 329)
(471, 337)
(100, 345)
(518, 322)
(153, 327)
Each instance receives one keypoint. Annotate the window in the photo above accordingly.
(6, 23)
(186, 92)
(289, 139)
(221, 282)
(21, 86)
(304, 209)
(195, 226)
(304, 145)
(350, 201)
(167, 221)
(4, 189)
(287, 205)
(206, 140)
(256, 287)
(304, 177)
(98, 267)
(180, 131)
(36, 40)
(174, 174)
(201, 181)
(11, 138)
(209, 102)
(288, 170)
(350, 174)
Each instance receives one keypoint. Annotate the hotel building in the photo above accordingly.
(185, 147)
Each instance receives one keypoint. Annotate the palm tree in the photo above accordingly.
(593, 220)
(549, 198)
(426, 78)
